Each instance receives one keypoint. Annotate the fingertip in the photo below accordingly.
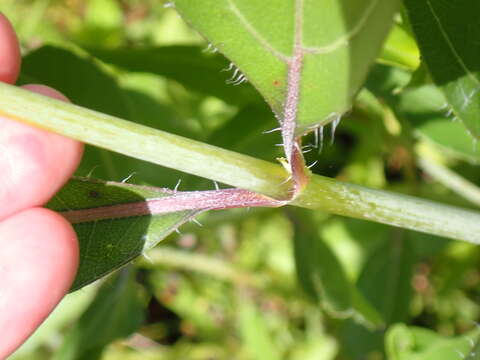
(47, 91)
(50, 222)
(46, 237)
(39, 259)
(30, 153)
(10, 57)
(66, 148)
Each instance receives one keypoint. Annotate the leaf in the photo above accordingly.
(319, 271)
(448, 33)
(385, 281)
(292, 61)
(400, 49)
(188, 65)
(322, 276)
(414, 343)
(78, 77)
(116, 312)
(106, 245)
(389, 271)
(245, 133)
(424, 108)
(303, 57)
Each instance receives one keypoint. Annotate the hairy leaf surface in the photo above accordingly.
(306, 58)
(106, 245)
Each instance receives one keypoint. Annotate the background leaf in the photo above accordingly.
(115, 312)
(189, 65)
(318, 270)
(425, 109)
(385, 281)
(448, 34)
(323, 277)
(415, 343)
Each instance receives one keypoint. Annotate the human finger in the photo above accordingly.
(9, 52)
(38, 262)
(35, 163)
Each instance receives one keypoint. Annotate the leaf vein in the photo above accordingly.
(251, 29)
(450, 44)
(345, 39)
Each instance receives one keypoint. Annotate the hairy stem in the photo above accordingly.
(236, 169)
(291, 144)
(185, 200)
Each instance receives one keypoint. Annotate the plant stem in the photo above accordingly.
(236, 169)
(219, 269)
(451, 180)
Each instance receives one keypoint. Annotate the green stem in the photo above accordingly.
(219, 269)
(236, 169)
(451, 180)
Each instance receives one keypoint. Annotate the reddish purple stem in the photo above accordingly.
(189, 200)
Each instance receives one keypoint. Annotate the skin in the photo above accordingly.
(38, 247)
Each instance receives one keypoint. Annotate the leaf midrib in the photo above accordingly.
(450, 45)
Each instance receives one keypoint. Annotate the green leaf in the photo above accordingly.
(106, 245)
(245, 133)
(308, 57)
(116, 312)
(318, 270)
(189, 65)
(414, 343)
(388, 271)
(77, 76)
(323, 277)
(400, 49)
(424, 108)
(448, 33)
(385, 281)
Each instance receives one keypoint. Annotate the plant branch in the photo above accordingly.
(236, 169)
(451, 180)
(219, 269)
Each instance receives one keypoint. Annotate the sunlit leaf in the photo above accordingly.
(424, 108)
(106, 245)
(302, 55)
(415, 343)
(400, 49)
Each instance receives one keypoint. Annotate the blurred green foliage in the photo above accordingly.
(228, 289)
